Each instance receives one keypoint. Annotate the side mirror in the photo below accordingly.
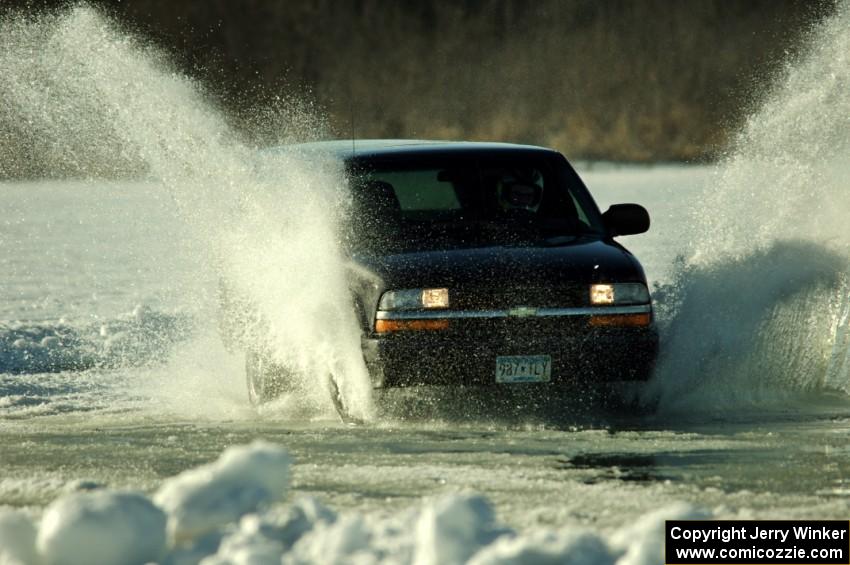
(626, 219)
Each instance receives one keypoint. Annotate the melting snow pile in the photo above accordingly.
(243, 480)
(135, 338)
(229, 512)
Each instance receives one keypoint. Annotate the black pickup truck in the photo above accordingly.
(485, 264)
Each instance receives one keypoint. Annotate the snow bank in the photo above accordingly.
(244, 479)
(452, 529)
(102, 527)
(265, 538)
(17, 538)
(546, 548)
(134, 338)
(224, 513)
(642, 543)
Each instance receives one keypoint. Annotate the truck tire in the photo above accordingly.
(266, 379)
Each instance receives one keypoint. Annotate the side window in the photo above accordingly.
(579, 210)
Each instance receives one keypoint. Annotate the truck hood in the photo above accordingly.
(584, 261)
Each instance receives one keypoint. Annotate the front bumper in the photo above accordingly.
(466, 352)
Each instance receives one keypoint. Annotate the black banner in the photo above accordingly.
(757, 542)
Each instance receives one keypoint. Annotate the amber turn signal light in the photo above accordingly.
(386, 326)
(621, 320)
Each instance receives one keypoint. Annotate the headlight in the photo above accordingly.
(414, 299)
(618, 294)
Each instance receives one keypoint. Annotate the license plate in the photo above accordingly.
(523, 369)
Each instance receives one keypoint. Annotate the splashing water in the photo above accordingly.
(83, 98)
(760, 308)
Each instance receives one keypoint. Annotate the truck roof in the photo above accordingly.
(347, 148)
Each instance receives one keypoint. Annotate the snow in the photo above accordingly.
(452, 529)
(132, 338)
(642, 543)
(547, 547)
(231, 512)
(17, 538)
(102, 527)
(244, 479)
(264, 538)
(347, 540)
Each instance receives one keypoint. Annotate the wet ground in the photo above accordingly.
(781, 465)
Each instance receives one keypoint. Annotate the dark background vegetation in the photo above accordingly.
(636, 80)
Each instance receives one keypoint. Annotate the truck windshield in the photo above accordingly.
(401, 205)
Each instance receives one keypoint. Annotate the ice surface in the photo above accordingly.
(242, 480)
(102, 527)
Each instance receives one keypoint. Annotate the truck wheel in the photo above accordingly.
(266, 379)
(339, 403)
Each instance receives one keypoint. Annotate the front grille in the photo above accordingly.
(519, 329)
(504, 297)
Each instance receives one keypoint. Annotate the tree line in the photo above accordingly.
(638, 80)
